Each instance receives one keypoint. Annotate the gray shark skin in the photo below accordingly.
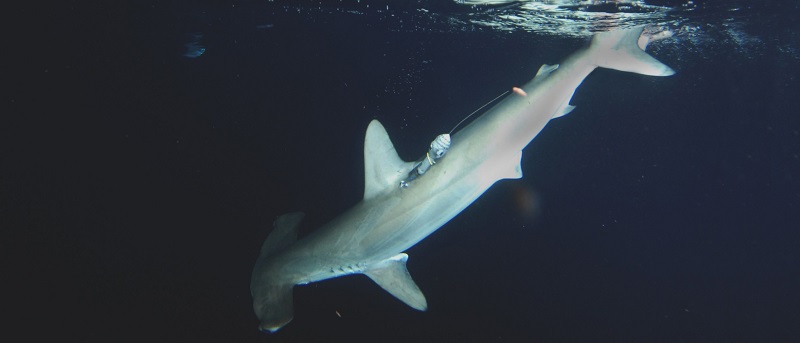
(370, 237)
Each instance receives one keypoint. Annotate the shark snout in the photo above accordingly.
(272, 326)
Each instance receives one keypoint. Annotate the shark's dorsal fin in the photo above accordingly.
(283, 234)
(391, 274)
(383, 168)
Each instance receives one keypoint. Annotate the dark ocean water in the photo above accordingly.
(147, 147)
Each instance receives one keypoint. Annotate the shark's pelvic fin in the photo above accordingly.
(620, 50)
(516, 171)
(283, 234)
(383, 168)
(391, 274)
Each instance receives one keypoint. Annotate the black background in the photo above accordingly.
(138, 184)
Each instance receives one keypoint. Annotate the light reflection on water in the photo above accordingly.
(699, 25)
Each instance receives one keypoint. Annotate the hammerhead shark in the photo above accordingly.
(404, 202)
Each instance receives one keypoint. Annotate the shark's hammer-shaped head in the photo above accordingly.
(270, 287)
(273, 306)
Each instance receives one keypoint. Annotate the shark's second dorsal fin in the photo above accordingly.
(391, 274)
(545, 70)
(383, 168)
(283, 234)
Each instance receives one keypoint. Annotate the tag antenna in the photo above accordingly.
(476, 111)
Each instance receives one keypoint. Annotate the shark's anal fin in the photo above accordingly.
(564, 110)
(391, 274)
(383, 168)
(283, 234)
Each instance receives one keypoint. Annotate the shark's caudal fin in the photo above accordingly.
(391, 274)
(622, 50)
(383, 168)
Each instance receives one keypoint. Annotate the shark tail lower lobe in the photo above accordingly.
(623, 50)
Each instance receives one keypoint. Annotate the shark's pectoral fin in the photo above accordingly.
(391, 274)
